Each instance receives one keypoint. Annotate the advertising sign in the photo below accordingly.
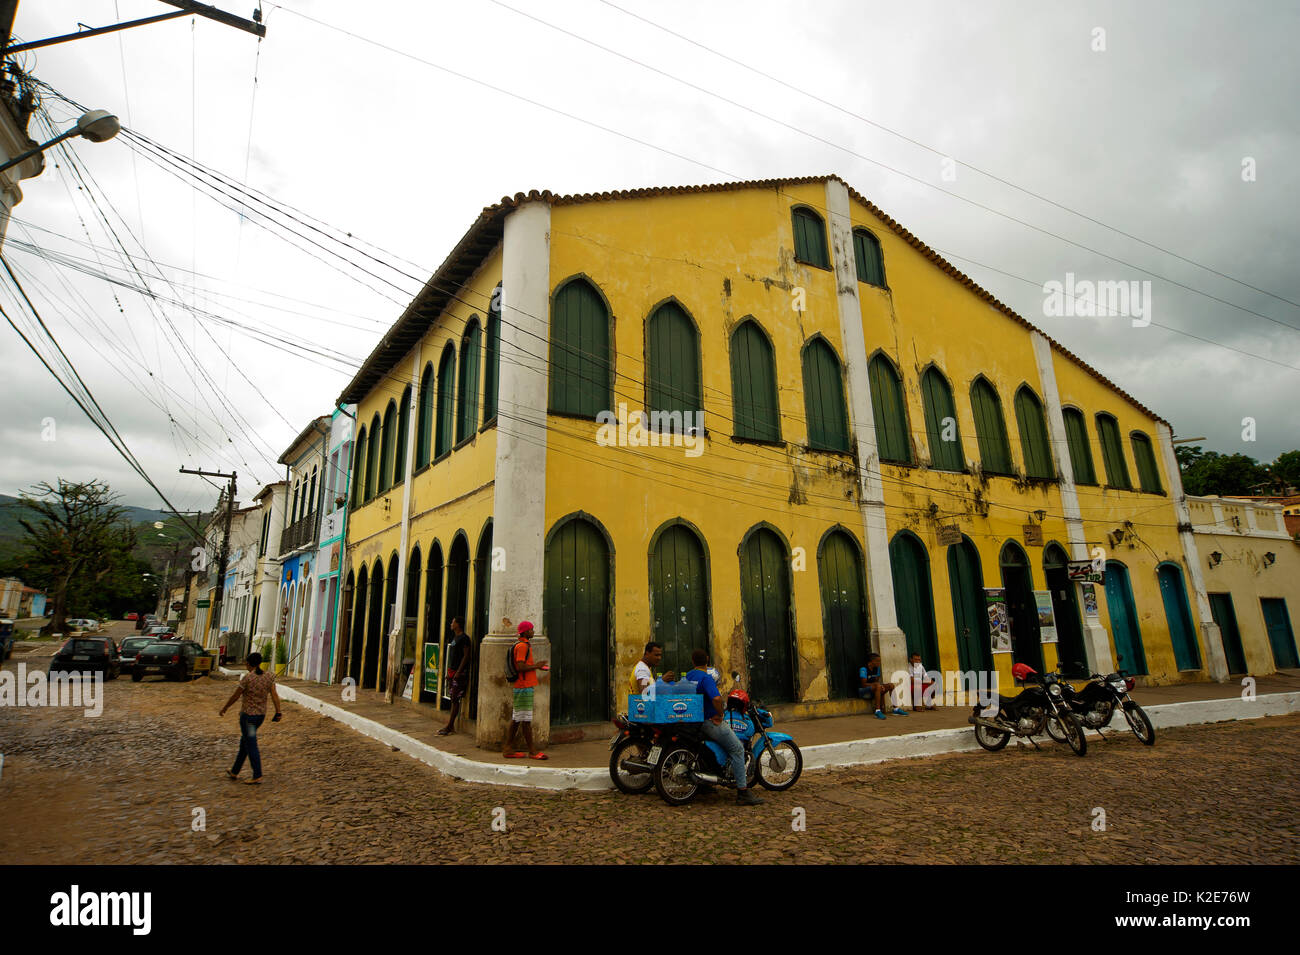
(1089, 600)
(1046, 616)
(1082, 570)
(430, 668)
(999, 619)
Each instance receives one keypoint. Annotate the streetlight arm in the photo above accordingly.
(23, 157)
(98, 126)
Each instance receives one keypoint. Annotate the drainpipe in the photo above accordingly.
(399, 611)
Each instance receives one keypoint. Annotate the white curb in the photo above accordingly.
(858, 752)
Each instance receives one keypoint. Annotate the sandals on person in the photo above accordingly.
(538, 756)
(515, 755)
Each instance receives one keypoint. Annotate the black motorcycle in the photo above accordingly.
(1101, 696)
(1040, 706)
(629, 757)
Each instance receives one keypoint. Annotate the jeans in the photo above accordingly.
(248, 725)
(724, 737)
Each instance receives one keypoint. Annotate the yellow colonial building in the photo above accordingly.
(764, 419)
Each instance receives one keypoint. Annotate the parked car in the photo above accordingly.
(132, 616)
(173, 659)
(6, 638)
(159, 631)
(88, 654)
(82, 623)
(131, 648)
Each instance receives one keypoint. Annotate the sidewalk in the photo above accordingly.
(832, 741)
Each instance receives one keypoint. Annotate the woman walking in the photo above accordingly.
(255, 686)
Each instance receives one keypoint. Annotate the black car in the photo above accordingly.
(173, 659)
(131, 647)
(88, 654)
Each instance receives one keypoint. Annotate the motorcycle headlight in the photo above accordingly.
(1056, 689)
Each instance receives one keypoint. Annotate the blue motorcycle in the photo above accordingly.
(689, 761)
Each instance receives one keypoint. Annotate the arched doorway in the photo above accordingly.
(374, 625)
(390, 601)
(357, 641)
(411, 617)
(765, 597)
(913, 598)
(458, 602)
(1022, 611)
(434, 625)
(1187, 655)
(478, 628)
(844, 612)
(1065, 607)
(1129, 654)
(679, 594)
(575, 618)
(969, 607)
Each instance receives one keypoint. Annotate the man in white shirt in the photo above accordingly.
(643, 673)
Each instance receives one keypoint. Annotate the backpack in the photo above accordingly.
(512, 674)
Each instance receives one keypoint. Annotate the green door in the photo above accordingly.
(1225, 615)
(1280, 635)
(1065, 608)
(575, 615)
(765, 597)
(844, 613)
(679, 596)
(1022, 610)
(1182, 634)
(969, 609)
(913, 600)
(1129, 655)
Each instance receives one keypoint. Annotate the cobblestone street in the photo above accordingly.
(122, 788)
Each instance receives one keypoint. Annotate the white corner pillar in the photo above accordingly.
(886, 637)
(1096, 641)
(1216, 659)
(395, 642)
(519, 507)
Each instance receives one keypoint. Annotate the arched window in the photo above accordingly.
(311, 494)
(893, 443)
(1076, 435)
(870, 261)
(469, 354)
(399, 439)
(424, 420)
(372, 457)
(492, 360)
(672, 361)
(941, 423)
(823, 395)
(1145, 457)
(386, 452)
(293, 511)
(755, 411)
(580, 351)
(446, 404)
(358, 469)
(990, 428)
(1112, 452)
(1033, 434)
(810, 238)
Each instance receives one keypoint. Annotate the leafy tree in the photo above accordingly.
(1285, 470)
(1210, 472)
(78, 545)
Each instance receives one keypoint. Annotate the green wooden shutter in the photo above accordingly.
(1076, 433)
(1112, 452)
(399, 439)
(995, 456)
(358, 472)
(755, 411)
(492, 365)
(1182, 635)
(823, 389)
(765, 599)
(424, 421)
(385, 480)
(1033, 435)
(679, 596)
(913, 600)
(810, 239)
(575, 615)
(870, 261)
(580, 352)
(892, 440)
(468, 392)
(1144, 455)
(844, 613)
(446, 404)
(372, 459)
(937, 396)
(672, 361)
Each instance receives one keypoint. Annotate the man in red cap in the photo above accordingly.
(522, 656)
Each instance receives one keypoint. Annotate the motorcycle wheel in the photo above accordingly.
(1073, 731)
(991, 739)
(1140, 724)
(1055, 731)
(779, 766)
(630, 783)
(672, 777)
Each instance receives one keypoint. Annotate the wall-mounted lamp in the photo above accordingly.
(1040, 515)
(1215, 558)
(1269, 559)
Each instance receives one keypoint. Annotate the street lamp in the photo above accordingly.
(98, 126)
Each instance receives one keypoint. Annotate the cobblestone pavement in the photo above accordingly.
(123, 787)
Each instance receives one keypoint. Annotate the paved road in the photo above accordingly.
(124, 787)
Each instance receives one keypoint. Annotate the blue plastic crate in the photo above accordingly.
(666, 709)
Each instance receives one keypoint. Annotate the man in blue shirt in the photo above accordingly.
(715, 728)
(870, 686)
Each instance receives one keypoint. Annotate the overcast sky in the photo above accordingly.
(1148, 135)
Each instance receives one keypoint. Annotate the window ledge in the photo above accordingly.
(767, 442)
(464, 441)
(488, 425)
(813, 265)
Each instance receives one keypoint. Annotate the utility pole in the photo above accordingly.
(214, 621)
